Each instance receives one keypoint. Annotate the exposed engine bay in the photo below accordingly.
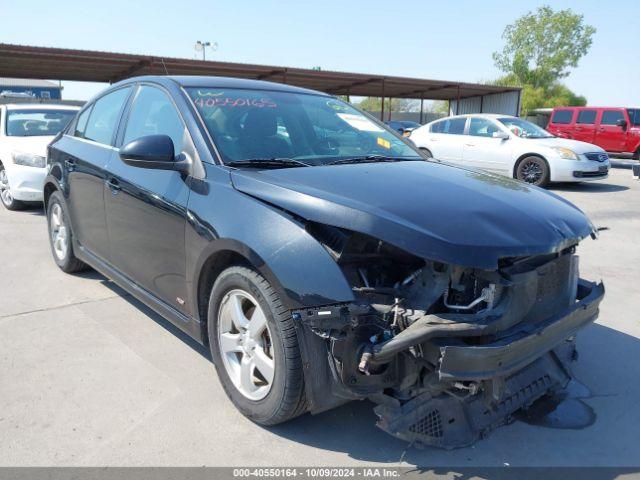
(448, 352)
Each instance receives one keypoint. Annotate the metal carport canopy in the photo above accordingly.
(22, 61)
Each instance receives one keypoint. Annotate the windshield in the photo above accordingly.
(524, 129)
(37, 122)
(314, 129)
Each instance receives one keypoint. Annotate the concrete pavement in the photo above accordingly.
(90, 377)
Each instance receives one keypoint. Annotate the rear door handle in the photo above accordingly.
(114, 185)
(469, 144)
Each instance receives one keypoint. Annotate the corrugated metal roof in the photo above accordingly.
(84, 65)
(26, 82)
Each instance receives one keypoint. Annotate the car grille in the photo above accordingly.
(597, 156)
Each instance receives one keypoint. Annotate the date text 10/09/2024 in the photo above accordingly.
(320, 472)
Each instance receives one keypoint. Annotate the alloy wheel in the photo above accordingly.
(531, 172)
(245, 344)
(59, 232)
(5, 191)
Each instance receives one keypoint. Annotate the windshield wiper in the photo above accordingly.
(368, 159)
(268, 163)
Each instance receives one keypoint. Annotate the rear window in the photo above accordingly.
(610, 117)
(456, 126)
(586, 117)
(562, 116)
(437, 127)
(452, 126)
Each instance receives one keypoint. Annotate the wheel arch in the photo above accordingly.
(425, 149)
(49, 188)
(52, 184)
(213, 266)
(221, 255)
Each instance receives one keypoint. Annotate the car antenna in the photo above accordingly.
(166, 72)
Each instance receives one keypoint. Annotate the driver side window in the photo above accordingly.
(153, 113)
(481, 127)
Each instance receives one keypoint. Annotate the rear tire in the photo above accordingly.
(6, 197)
(533, 170)
(261, 373)
(60, 236)
(426, 152)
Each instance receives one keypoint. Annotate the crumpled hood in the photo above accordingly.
(432, 210)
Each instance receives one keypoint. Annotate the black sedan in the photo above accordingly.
(319, 256)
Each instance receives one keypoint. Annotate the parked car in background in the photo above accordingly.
(404, 127)
(615, 129)
(25, 132)
(316, 268)
(512, 147)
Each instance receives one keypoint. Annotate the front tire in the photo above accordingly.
(254, 347)
(6, 197)
(533, 170)
(60, 236)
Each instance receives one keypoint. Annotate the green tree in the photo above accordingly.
(541, 46)
(440, 106)
(540, 49)
(555, 95)
(373, 104)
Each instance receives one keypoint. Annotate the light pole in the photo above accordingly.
(202, 46)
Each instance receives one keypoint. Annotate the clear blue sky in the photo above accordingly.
(451, 40)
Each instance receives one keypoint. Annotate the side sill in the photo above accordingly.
(188, 325)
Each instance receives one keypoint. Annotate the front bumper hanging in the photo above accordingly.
(514, 372)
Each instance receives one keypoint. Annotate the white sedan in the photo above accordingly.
(25, 132)
(511, 146)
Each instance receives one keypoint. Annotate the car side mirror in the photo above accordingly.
(155, 152)
(622, 123)
(501, 135)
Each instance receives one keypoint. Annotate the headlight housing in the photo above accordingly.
(29, 160)
(566, 153)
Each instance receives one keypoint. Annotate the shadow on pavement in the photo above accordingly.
(609, 358)
(588, 187)
(351, 428)
(159, 319)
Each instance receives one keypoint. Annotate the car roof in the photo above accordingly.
(40, 106)
(592, 108)
(478, 115)
(188, 81)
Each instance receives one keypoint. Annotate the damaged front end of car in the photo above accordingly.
(447, 352)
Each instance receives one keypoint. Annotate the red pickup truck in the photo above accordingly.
(615, 129)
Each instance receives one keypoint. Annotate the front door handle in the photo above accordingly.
(114, 185)
(71, 164)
